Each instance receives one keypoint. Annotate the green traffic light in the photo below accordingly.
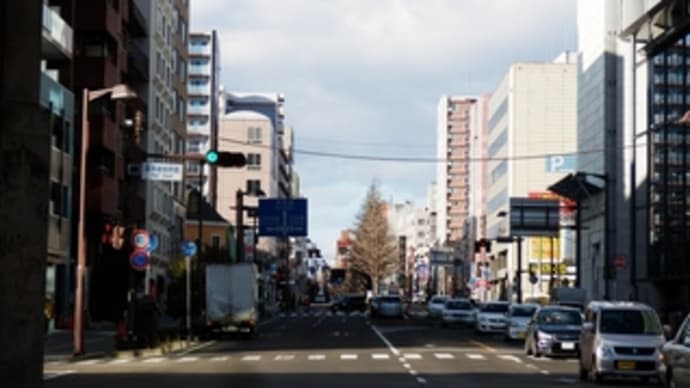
(212, 156)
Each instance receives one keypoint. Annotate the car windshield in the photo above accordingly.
(438, 299)
(458, 305)
(494, 308)
(559, 317)
(389, 299)
(523, 311)
(630, 322)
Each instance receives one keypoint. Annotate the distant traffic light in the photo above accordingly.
(225, 159)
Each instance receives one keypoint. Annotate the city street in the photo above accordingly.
(320, 348)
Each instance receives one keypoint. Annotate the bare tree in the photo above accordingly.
(374, 252)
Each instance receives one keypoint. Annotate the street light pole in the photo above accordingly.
(119, 91)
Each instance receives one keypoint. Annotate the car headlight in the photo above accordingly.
(544, 336)
(605, 351)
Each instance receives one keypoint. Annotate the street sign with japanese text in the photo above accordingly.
(161, 171)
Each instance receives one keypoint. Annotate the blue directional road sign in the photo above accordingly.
(283, 217)
(153, 243)
(189, 248)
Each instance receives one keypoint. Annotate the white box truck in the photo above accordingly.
(232, 298)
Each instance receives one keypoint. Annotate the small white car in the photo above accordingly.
(518, 318)
(436, 305)
(491, 317)
(458, 311)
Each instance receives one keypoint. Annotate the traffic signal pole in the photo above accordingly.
(239, 224)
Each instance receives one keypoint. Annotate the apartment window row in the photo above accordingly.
(254, 135)
(61, 135)
(199, 101)
(499, 171)
(498, 143)
(498, 115)
(253, 161)
(59, 199)
(198, 121)
(253, 186)
(497, 201)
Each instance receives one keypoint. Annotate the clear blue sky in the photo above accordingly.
(364, 77)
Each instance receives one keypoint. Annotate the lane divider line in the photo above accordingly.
(385, 340)
(483, 346)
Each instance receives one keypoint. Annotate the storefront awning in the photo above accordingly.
(578, 186)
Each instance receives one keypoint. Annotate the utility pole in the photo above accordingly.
(239, 222)
(25, 163)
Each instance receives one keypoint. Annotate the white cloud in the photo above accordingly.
(372, 71)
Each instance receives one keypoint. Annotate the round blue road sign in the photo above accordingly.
(189, 248)
(139, 260)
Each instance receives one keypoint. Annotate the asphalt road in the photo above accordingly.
(324, 350)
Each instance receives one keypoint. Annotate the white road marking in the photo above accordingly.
(444, 356)
(545, 372)
(251, 358)
(220, 358)
(88, 362)
(510, 358)
(53, 363)
(413, 372)
(348, 356)
(155, 360)
(285, 357)
(188, 359)
(567, 380)
(195, 348)
(380, 356)
(531, 366)
(119, 361)
(473, 356)
(316, 357)
(421, 380)
(412, 356)
(49, 375)
(407, 366)
(385, 341)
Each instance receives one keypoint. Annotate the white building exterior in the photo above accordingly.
(532, 115)
(202, 107)
(165, 132)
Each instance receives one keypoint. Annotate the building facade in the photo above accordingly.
(452, 143)
(532, 119)
(103, 31)
(166, 125)
(56, 95)
(202, 108)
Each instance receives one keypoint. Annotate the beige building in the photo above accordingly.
(253, 126)
(532, 140)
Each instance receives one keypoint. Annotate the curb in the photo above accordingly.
(163, 349)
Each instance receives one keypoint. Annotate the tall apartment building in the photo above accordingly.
(56, 95)
(532, 117)
(166, 125)
(475, 223)
(253, 124)
(452, 143)
(103, 30)
(202, 108)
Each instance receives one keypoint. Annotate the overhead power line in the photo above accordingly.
(401, 159)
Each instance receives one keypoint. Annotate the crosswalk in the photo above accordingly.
(315, 357)
(322, 313)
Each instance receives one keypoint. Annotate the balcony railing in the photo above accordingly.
(199, 109)
(199, 89)
(58, 34)
(57, 97)
(199, 69)
(200, 50)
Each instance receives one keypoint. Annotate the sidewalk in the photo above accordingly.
(59, 346)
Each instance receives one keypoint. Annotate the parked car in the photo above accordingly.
(676, 356)
(491, 317)
(349, 303)
(621, 339)
(387, 306)
(554, 331)
(518, 318)
(458, 311)
(436, 304)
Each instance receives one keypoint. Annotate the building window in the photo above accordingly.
(253, 186)
(58, 199)
(215, 241)
(254, 135)
(254, 161)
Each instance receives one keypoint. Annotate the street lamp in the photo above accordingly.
(117, 92)
(239, 219)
